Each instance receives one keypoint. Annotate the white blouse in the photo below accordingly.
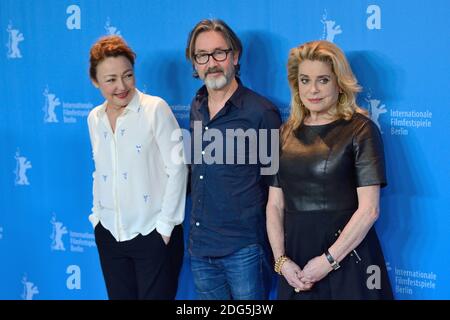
(140, 177)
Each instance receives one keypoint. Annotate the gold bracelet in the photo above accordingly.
(279, 263)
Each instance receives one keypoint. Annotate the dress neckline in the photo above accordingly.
(320, 125)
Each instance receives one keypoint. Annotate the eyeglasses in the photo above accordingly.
(219, 55)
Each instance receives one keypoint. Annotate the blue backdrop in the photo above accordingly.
(398, 50)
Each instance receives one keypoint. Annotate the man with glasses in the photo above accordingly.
(228, 240)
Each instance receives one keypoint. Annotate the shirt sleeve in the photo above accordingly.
(369, 156)
(169, 139)
(94, 216)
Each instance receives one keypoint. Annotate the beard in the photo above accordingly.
(218, 82)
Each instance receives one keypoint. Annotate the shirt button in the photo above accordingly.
(201, 177)
(197, 224)
(206, 128)
(203, 152)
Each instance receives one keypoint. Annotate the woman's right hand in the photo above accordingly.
(292, 273)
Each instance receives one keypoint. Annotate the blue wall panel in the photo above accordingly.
(398, 50)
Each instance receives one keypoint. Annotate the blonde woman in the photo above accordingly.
(325, 199)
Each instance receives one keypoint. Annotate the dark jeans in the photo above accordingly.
(242, 275)
(141, 268)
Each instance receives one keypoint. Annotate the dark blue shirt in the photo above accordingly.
(229, 195)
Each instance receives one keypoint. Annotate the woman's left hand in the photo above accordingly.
(166, 239)
(316, 269)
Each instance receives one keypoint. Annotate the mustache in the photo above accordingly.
(213, 69)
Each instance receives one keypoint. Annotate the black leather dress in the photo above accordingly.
(320, 169)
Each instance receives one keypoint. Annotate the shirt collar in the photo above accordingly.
(132, 106)
(235, 99)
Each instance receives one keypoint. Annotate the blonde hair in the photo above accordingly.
(329, 53)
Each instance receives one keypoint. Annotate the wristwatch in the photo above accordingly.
(334, 264)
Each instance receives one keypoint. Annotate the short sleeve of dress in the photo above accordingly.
(369, 156)
(273, 181)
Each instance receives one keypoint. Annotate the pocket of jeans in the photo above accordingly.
(253, 248)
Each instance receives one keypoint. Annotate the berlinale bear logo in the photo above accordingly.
(14, 38)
